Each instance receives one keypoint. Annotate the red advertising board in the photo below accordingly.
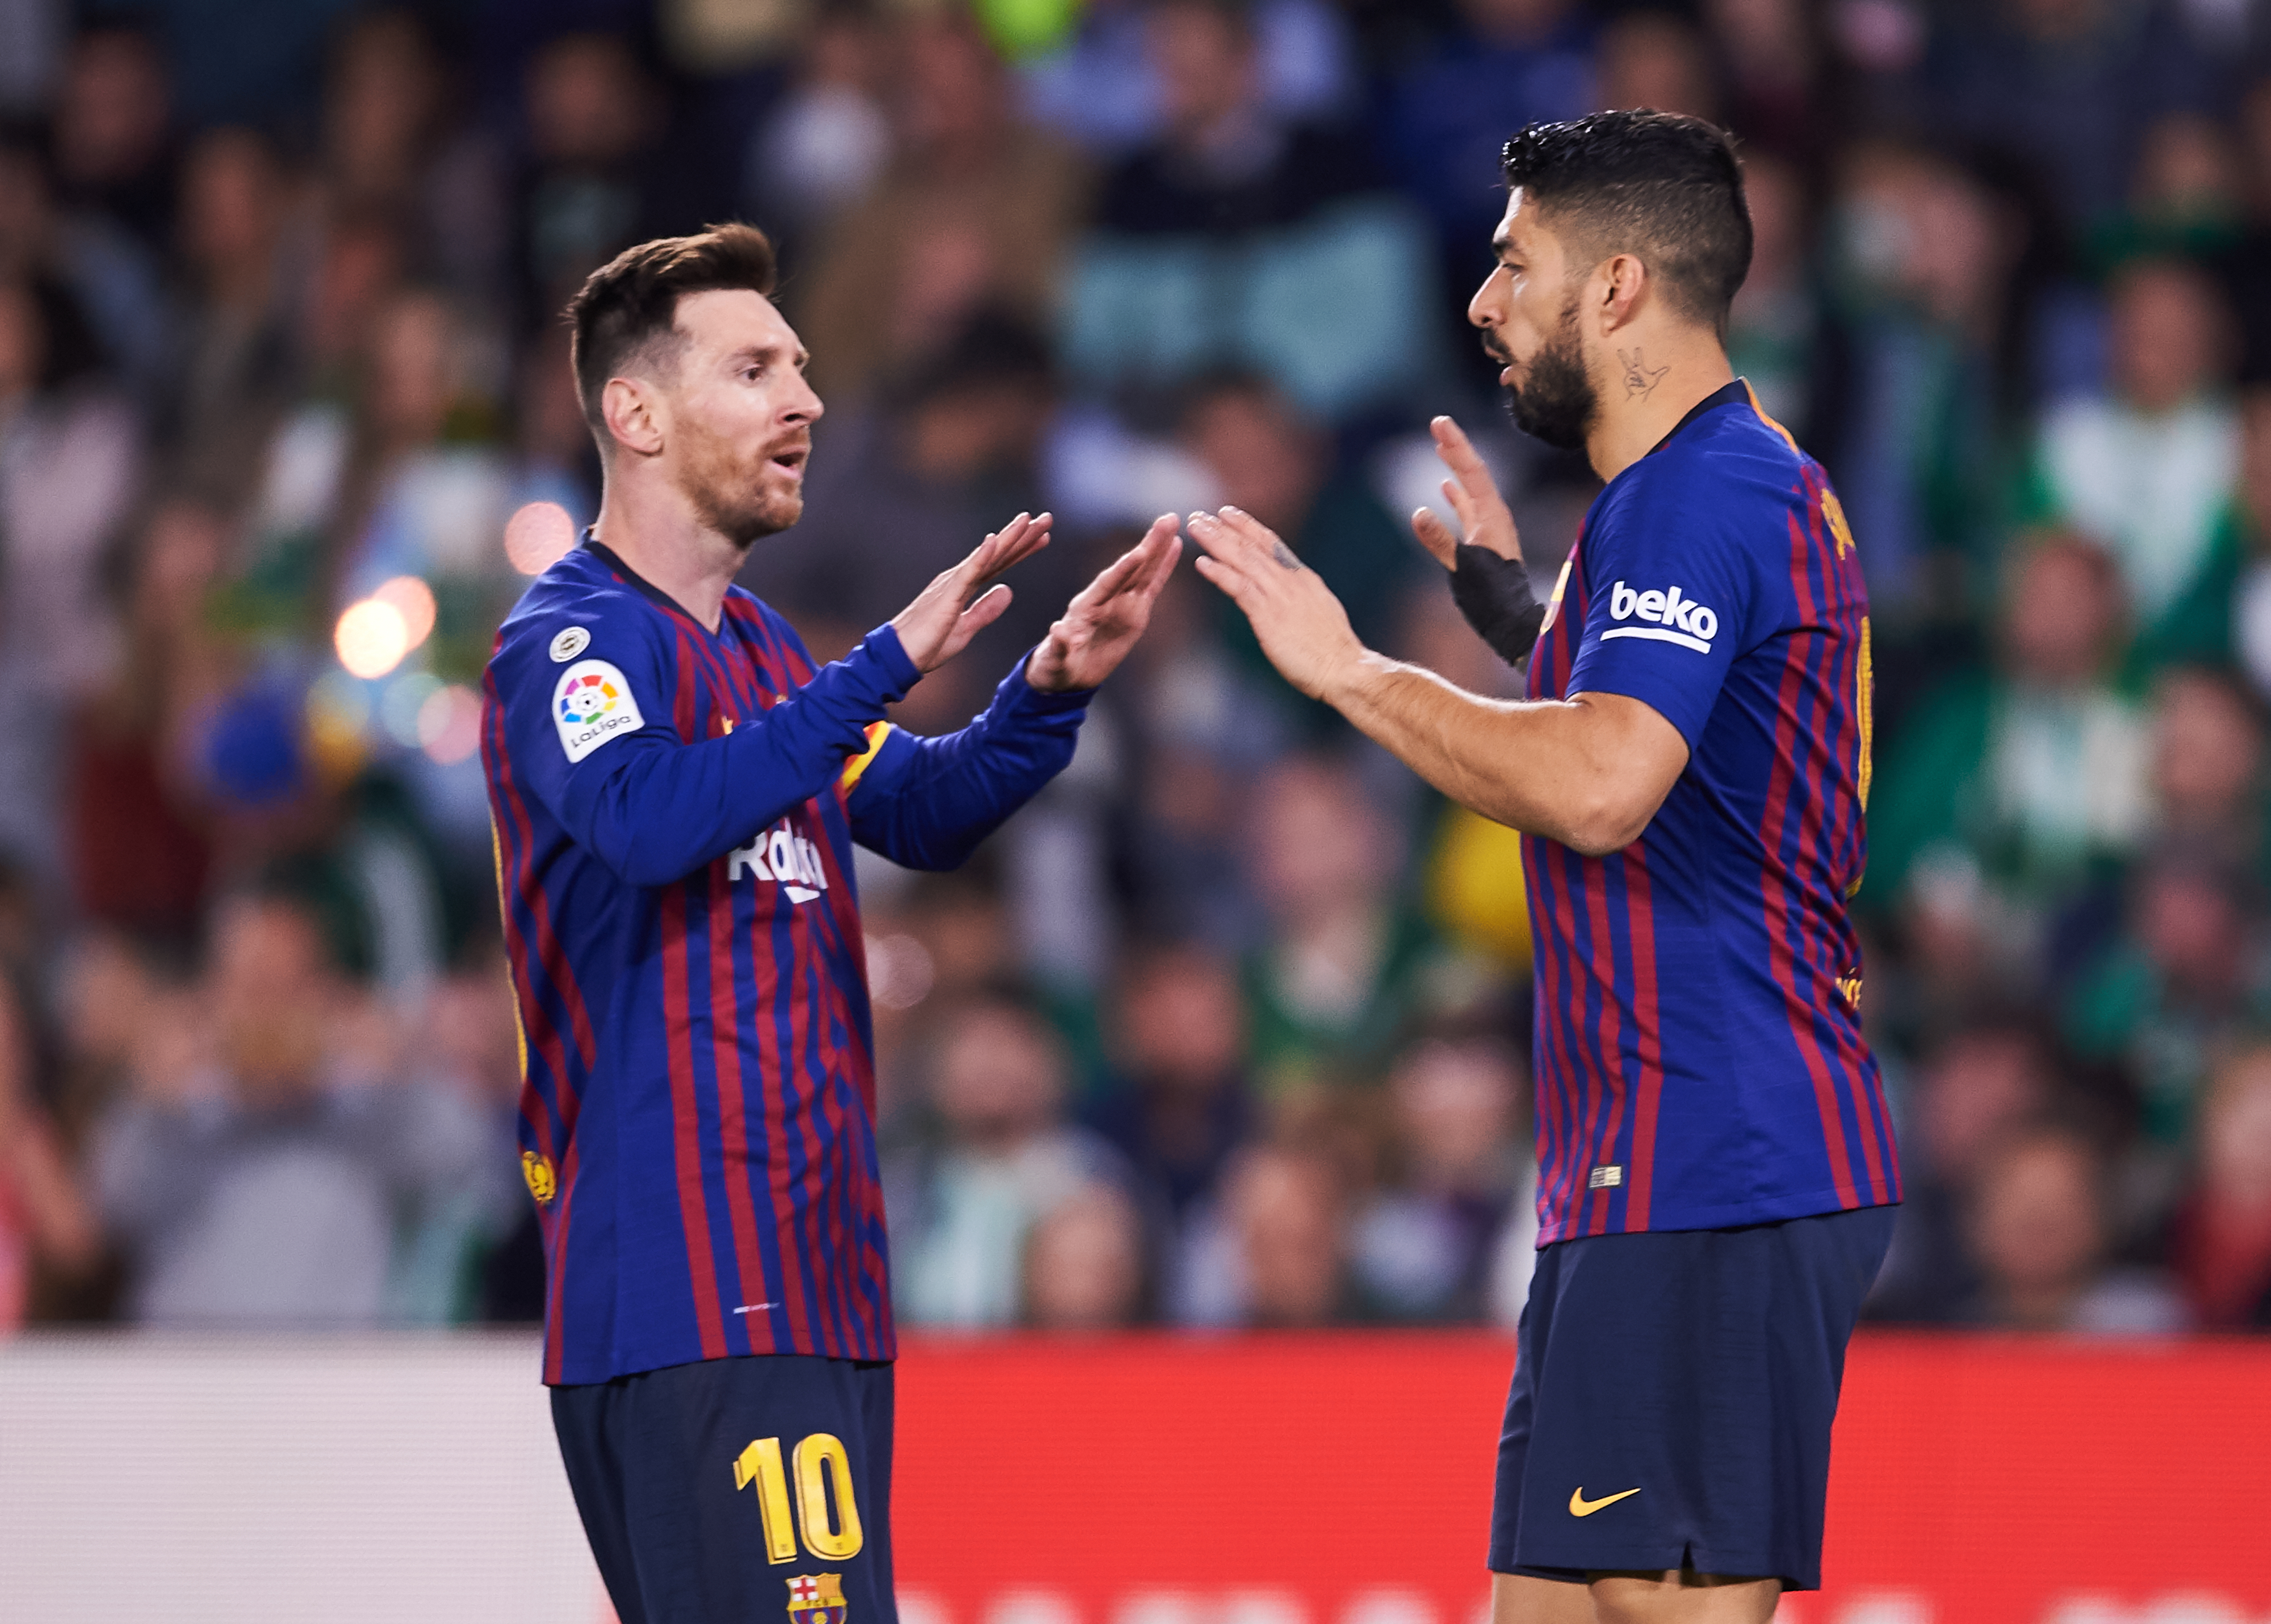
(1346, 1479)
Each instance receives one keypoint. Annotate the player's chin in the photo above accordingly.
(774, 511)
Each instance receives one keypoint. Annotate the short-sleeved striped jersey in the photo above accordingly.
(1699, 1056)
(674, 811)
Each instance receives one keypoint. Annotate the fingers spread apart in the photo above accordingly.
(1015, 541)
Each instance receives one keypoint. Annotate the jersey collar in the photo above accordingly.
(1735, 393)
(647, 589)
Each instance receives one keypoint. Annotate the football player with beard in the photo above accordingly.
(676, 788)
(1717, 1172)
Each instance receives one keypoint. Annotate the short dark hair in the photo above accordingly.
(630, 304)
(1664, 186)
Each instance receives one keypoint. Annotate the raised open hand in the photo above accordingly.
(1473, 494)
(1300, 625)
(1100, 625)
(958, 604)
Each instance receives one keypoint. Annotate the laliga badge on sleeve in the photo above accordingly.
(569, 644)
(592, 704)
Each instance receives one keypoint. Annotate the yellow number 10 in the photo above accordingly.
(818, 1458)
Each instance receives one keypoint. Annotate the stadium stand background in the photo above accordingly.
(1231, 1028)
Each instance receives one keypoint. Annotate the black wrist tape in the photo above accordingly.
(1495, 594)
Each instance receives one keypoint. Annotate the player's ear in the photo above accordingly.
(633, 414)
(1622, 279)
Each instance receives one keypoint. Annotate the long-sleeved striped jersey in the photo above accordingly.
(1699, 1056)
(674, 810)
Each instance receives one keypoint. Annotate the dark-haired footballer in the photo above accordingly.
(1716, 1171)
(676, 788)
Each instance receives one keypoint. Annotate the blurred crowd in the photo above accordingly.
(1231, 1027)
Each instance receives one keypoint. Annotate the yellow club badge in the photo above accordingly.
(538, 1171)
(817, 1599)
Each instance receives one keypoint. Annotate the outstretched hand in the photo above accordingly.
(1300, 625)
(1473, 494)
(958, 604)
(1100, 625)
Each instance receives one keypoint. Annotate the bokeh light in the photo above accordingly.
(413, 601)
(449, 724)
(371, 638)
(537, 536)
(402, 708)
(900, 971)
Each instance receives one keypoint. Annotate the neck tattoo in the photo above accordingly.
(1640, 379)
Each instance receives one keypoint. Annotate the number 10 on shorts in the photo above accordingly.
(818, 1458)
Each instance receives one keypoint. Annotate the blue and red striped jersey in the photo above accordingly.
(1699, 1056)
(674, 810)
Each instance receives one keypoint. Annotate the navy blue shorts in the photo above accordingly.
(737, 1489)
(1671, 1401)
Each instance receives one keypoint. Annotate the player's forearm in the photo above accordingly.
(665, 808)
(1538, 766)
(933, 805)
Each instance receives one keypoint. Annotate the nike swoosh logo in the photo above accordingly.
(1579, 1505)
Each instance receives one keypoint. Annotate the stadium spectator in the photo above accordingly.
(555, 457)
(2149, 471)
(1452, 1238)
(271, 1180)
(69, 456)
(140, 842)
(111, 280)
(2207, 768)
(588, 184)
(386, 155)
(2187, 197)
(1241, 239)
(401, 481)
(1773, 57)
(2222, 1243)
(1179, 1104)
(1972, 1090)
(1202, 721)
(1507, 63)
(2038, 1228)
(1267, 459)
(2189, 975)
(1650, 58)
(239, 364)
(1927, 361)
(48, 1227)
(2073, 84)
(1084, 1264)
(2251, 517)
(1780, 338)
(1280, 1259)
(1339, 972)
(1100, 86)
(963, 1209)
(112, 133)
(458, 1264)
(2031, 777)
(829, 137)
(974, 212)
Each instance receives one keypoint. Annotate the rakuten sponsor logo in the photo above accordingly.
(785, 856)
(1671, 618)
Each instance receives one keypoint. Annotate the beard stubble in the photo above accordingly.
(1557, 403)
(728, 487)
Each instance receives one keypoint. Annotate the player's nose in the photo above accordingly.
(1481, 310)
(803, 405)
